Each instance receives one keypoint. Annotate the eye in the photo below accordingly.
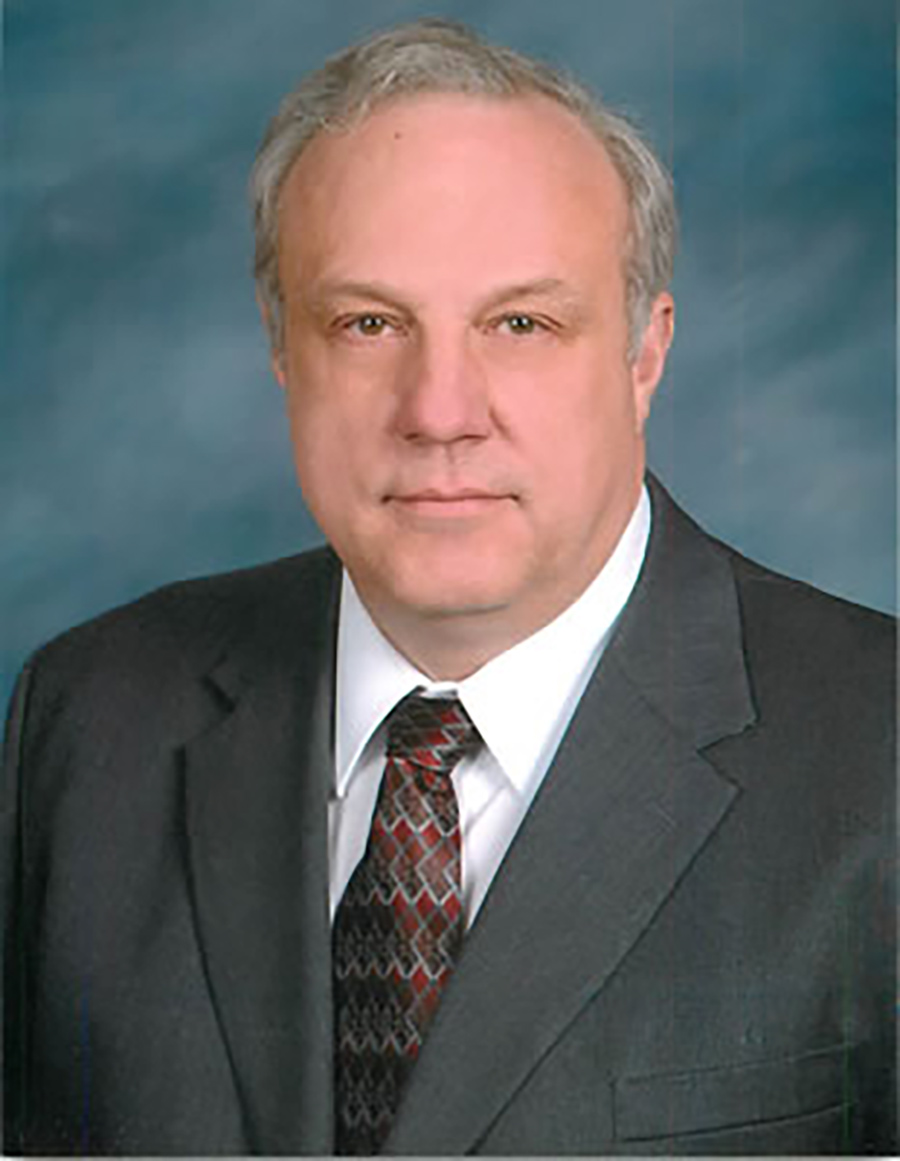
(370, 326)
(519, 324)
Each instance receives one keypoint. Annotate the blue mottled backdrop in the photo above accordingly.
(142, 438)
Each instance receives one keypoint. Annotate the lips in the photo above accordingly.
(437, 502)
(450, 496)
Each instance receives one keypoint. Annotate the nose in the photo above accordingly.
(442, 392)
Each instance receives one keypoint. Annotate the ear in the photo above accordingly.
(650, 360)
(276, 362)
(276, 355)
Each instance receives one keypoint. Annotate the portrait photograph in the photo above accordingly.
(449, 578)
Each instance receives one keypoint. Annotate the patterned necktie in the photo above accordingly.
(399, 927)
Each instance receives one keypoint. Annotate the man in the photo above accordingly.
(546, 824)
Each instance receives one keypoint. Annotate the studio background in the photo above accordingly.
(142, 437)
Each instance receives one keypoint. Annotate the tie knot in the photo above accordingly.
(432, 732)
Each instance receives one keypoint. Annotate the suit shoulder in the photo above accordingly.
(801, 605)
(188, 622)
(797, 636)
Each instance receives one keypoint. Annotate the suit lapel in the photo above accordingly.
(626, 808)
(256, 815)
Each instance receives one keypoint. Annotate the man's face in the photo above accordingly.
(468, 430)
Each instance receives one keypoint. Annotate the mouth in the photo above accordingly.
(438, 504)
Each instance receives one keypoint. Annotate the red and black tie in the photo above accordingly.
(399, 927)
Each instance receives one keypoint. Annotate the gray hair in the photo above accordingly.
(438, 56)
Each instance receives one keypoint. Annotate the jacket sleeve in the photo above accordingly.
(14, 999)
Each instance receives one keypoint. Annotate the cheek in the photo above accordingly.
(581, 447)
(339, 391)
(571, 419)
(323, 408)
(338, 453)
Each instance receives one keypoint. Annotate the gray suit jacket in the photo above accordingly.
(688, 949)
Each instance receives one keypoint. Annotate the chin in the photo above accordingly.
(437, 588)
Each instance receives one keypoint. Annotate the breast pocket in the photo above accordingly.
(784, 1097)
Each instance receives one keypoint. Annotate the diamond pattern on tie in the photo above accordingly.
(398, 929)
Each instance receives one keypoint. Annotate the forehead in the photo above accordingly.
(449, 185)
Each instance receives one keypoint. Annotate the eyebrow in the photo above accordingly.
(325, 291)
(538, 288)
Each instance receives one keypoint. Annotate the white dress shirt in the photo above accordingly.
(521, 702)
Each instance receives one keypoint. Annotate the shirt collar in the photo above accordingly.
(516, 700)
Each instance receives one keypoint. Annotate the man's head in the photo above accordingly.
(462, 263)
(436, 56)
